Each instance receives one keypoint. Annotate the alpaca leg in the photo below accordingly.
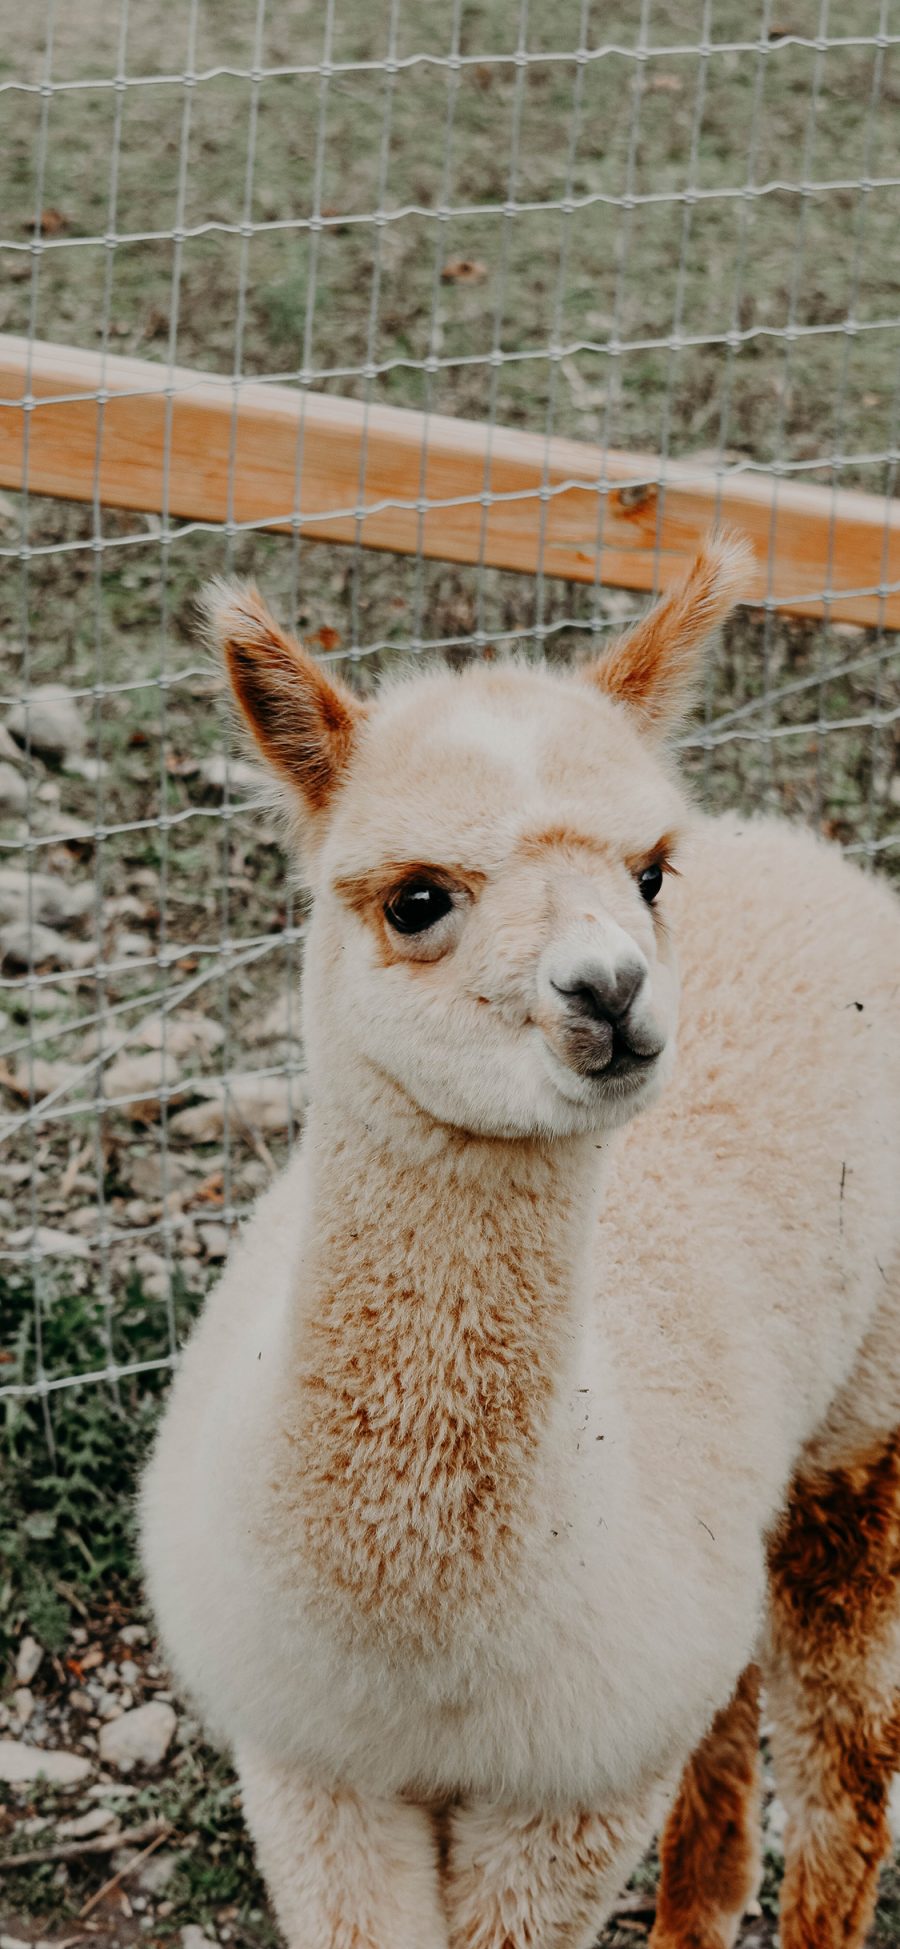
(833, 1678)
(710, 1849)
(516, 1880)
(343, 1872)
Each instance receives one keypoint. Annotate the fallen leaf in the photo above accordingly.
(51, 222)
(211, 1191)
(327, 638)
(464, 270)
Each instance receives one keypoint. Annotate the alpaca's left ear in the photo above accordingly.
(655, 667)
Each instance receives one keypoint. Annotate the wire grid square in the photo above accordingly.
(662, 227)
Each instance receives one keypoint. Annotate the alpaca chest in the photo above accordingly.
(578, 1686)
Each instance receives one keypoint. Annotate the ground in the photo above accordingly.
(174, 920)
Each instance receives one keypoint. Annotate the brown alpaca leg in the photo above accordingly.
(833, 1676)
(710, 1849)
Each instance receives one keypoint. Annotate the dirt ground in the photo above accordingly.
(170, 953)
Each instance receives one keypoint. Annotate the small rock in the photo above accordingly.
(44, 1077)
(263, 1103)
(215, 1239)
(43, 1001)
(9, 750)
(14, 1942)
(25, 943)
(280, 1023)
(47, 1243)
(80, 1701)
(83, 1218)
(48, 722)
(179, 1035)
(158, 1873)
(109, 1705)
(240, 776)
(140, 1076)
(93, 769)
(193, 1937)
(153, 1273)
(129, 946)
(138, 1738)
(42, 896)
(893, 1810)
(191, 1275)
(97, 1820)
(20, 1764)
(28, 1660)
(13, 792)
(23, 1704)
(129, 1672)
(153, 1176)
(134, 1634)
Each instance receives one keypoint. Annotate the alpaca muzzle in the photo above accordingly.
(596, 1013)
(600, 1030)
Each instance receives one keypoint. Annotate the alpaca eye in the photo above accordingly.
(417, 906)
(650, 882)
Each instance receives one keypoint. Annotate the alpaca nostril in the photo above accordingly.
(600, 995)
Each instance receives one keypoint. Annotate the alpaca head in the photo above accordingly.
(488, 854)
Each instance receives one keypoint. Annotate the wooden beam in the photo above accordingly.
(201, 447)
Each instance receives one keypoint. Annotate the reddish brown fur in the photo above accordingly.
(369, 893)
(835, 1692)
(303, 722)
(365, 891)
(653, 668)
(658, 855)
(710, 1847)
(559, 839)
(567, 1862)
(434, 1400)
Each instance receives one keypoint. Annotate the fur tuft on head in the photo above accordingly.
(654, 668)
(303, 722)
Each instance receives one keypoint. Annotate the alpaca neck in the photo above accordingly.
(437, 1329)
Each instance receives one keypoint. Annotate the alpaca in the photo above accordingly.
(552, 1393)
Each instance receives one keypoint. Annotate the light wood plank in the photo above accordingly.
(202, 448)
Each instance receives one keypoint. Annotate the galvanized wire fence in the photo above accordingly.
(667, 228)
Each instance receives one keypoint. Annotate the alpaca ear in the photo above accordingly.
(304, 723)
(655, 667)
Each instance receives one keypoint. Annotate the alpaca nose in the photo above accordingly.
(602, 994)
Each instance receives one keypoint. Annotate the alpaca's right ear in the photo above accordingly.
(655, 668)
(304, 724)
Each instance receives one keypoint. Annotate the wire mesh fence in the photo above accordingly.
(664, 228)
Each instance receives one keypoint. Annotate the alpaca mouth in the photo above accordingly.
(627, 1061)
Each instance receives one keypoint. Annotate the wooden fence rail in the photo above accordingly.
(199, 447)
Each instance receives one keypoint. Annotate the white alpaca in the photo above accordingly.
(512, 1436)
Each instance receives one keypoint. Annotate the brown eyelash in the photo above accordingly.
(371, 891)
(658, 855)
